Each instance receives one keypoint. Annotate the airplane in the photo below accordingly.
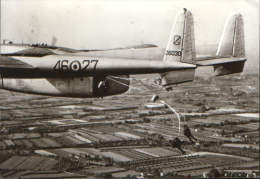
(73, 74)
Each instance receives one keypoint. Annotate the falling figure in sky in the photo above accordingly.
(188, 134)
(176, 143)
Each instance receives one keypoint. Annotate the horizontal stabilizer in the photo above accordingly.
(229, 68)
(230, 57)
(224, 66)
(219, 61)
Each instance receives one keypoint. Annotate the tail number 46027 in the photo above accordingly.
(75, 65)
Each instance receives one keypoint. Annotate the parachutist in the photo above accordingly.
(103, 84)
(188, 134)
(176, 143)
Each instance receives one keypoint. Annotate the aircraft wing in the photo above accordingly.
(38, 50)
(121, 48)
(30, 52)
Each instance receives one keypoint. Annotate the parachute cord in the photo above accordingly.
(177, 114)
(163, 102)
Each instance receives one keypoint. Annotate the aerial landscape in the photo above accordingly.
(129, 89)
(121, 136)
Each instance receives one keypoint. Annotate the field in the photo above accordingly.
(120, 136)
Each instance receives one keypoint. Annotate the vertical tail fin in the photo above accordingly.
(231, 50)
(181, 48)
(232, 40)
(181, 44)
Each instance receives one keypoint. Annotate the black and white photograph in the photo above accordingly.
(129, 89)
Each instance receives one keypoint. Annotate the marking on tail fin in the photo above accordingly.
(181, 48)
(181, 44)
(173, 53)
(177, 40)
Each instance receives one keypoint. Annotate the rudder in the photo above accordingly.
(232, 41)
(181, 48)
(230, 56)
(181, 44)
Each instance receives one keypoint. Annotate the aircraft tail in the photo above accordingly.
(181, 48)
(230, 56)
(181, 44)
(232, 39)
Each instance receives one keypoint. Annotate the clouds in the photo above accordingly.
(114, 23)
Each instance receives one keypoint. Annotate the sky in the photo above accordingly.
(95, 24)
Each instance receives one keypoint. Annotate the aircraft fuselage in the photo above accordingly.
(77, 76)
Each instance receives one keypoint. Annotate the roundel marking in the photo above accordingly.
(75, 66)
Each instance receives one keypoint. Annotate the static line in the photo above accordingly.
(174, 111)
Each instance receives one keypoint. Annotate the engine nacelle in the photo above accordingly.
(82, 87)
